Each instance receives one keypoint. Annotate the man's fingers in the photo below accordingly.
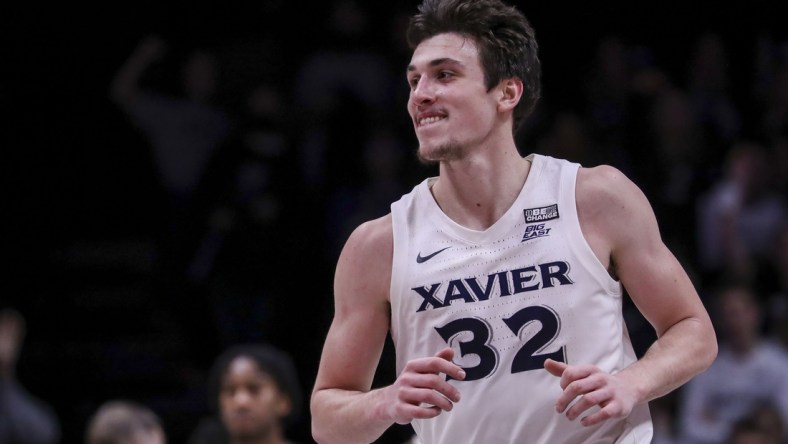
(432, 398)
(586, 401)
(586, 387)
(405, 413)
(576, 381)
(427, 373)
(575, 373)
(446, 353)
(447, 366)
(420, 412)
(554, 367)
(611, 410)
(435, 384)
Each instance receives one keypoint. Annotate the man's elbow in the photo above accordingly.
(318, 430)
(320, 433)
(708, 348)
(317, 435)
(711, 351)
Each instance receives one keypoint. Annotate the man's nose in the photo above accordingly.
(424, 91)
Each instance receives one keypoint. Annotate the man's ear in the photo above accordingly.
(510, 92)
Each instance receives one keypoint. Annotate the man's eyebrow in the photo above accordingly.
(438, 62)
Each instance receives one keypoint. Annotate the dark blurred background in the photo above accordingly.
(135, 261)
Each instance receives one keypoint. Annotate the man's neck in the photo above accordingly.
(478, 189)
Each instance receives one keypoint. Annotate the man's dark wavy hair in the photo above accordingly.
(504, 38)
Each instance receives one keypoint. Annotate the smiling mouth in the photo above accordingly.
(429, 120)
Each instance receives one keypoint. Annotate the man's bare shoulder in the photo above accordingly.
(372, 237)
(612, 210)
(605, 193)
(364, 265)
(615, 210)
(603, 185)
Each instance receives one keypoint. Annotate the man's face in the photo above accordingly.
(250, 402)
(451, 109)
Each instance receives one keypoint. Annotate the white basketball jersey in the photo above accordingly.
(505, 299)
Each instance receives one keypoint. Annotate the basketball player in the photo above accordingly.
(501, 280)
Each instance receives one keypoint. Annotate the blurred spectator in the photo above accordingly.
(256, 395)
(338, 86)
(740, 217)
(24, 419)
(124, 422)
(774, 285)
(344, 91)
(184, 129)
(749, 371)
(253, 201)
(672, 165)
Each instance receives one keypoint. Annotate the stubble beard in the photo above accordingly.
(447, 152)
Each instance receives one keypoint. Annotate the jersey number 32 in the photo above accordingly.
(527, 357)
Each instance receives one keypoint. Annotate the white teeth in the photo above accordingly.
(428, 120)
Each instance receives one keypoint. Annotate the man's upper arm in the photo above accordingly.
(618, 216)
(361, 309)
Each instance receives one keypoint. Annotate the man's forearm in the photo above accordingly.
(683, 351)
(344, 416)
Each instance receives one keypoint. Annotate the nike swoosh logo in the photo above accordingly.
(420, 258)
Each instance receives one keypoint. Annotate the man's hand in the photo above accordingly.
(611, 393)
(421, 391)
